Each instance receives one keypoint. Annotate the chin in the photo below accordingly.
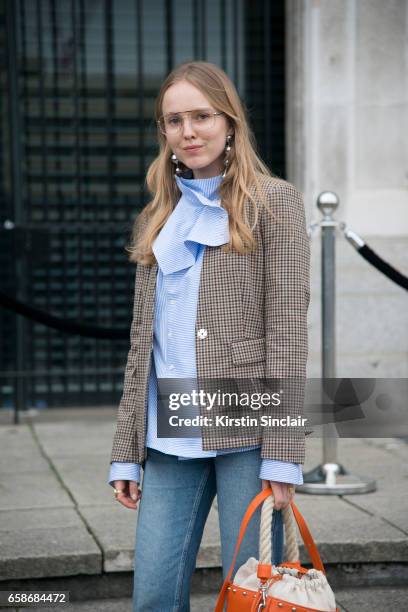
(197, 164)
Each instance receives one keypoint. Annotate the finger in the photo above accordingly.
(289, 494)
(127, 501)
(278, 496)
(134, 491)
(123, 497)
(267, 484)
(285, 502)
(281, 496)
(279, 504)
(120, 484)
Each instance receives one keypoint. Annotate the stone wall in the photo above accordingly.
(347, 126)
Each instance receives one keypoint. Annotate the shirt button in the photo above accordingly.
(170, 334)
(172, 301)
(171, 367)
(202, 333)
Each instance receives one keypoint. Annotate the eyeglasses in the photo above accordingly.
(200, 119)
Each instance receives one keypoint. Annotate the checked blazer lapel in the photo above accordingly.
(149, 300)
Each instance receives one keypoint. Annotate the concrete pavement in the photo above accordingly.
(348, 600)
(59, 524)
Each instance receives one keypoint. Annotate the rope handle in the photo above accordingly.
(304, 532)
(265, 540)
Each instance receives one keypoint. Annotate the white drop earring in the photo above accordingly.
(176, 161)
(227, 150)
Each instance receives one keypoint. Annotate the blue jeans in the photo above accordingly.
(176, 499)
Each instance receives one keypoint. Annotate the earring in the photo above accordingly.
(176, 161)
(227, 150)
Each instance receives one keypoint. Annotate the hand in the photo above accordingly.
(283, 493)
(131, 493)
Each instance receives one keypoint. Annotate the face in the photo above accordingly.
(208, 160)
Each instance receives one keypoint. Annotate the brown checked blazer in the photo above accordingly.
(254, 309)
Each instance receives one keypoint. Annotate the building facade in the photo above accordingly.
(325, 84)
(346, 127)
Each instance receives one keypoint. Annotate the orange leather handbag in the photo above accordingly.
(259, 586)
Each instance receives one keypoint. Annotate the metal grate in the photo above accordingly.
(73, 163)
(265, 78)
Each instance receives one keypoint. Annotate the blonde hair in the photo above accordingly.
(243, 179)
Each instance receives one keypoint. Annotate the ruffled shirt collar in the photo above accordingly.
(198, 219)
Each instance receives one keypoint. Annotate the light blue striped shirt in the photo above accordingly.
(198, 220)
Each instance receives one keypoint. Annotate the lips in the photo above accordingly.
(193, 148)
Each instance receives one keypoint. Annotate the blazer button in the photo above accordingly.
(202, 333)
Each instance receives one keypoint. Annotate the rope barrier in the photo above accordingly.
(106, 333)
(375, 260)
(65, 325)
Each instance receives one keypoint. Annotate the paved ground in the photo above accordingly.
(351, 600)
(58, 517)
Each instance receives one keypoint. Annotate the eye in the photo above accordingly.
(202, 116)
(173, 120)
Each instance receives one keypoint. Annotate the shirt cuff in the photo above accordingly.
(124, 471)
(281, 471)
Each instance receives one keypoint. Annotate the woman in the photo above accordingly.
(222, 290)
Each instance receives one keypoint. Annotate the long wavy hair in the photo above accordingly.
(243, 180)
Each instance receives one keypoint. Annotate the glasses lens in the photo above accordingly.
(172, 123)
(201, 119)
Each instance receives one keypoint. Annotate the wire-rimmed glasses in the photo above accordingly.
(200, 118)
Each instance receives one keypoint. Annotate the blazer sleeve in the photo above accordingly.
(287, 294)
(124, 447)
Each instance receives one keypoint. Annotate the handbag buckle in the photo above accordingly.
(263, 588)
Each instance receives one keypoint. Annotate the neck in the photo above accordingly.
(209, 172)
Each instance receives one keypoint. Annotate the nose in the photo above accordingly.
(187, 129)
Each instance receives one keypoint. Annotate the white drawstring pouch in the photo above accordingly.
(310, 590)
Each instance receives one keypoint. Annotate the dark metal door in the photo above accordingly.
(77, 135)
